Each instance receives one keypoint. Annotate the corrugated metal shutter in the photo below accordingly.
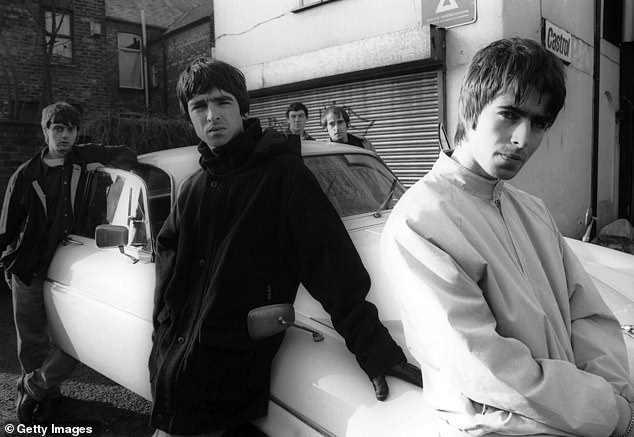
(398, 114)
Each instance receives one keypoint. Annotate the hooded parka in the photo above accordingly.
(246, 229)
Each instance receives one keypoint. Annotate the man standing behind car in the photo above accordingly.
(297, 115)
(336, 121)
(37, 215)
(245, 230)
(511, 332)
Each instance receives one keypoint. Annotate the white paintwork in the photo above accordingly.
(100, 305)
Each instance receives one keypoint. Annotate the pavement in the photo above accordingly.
(90, 399)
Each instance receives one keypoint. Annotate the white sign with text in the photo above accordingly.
(558, 41)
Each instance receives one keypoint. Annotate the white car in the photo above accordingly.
(99, 300)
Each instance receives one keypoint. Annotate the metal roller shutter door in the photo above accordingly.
(398, 114)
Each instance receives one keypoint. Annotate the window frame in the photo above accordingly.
(134, 193)
(61, 35)
(127, 50)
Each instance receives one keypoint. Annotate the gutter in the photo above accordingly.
(596, 91)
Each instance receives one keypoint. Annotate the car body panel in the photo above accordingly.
(99, 305)
(106, 325)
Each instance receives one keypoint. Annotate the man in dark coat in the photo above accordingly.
(246, 229)
(296, 116)
(37, 214)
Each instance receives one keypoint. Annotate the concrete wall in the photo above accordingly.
(274, 45)
(260, 37)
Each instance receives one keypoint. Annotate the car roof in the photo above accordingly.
(183, 161)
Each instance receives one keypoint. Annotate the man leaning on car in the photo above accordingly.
(37, 215)
(245, 230)
(511, 332)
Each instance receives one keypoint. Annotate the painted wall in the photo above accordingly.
(263, 38)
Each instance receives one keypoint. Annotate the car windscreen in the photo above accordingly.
(354, 183)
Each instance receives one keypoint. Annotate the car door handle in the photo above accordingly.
(69, 240)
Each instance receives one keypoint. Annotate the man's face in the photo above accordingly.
(60, 139)
(216, 117)
(506, 136)
(296, 121)
(337, 128)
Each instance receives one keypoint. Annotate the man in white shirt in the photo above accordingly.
(511, 334)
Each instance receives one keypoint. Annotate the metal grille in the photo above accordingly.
(398, 114)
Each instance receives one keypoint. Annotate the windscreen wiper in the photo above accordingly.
(387, 199)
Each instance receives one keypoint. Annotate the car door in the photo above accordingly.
(99, 300)
(317, 387)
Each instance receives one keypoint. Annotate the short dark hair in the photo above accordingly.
(514, 65)
(297, 106)
(335, 111)
(205, 74)
(60, 112)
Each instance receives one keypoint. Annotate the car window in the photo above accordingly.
(354, 183)
(159, 189)
(115, 197)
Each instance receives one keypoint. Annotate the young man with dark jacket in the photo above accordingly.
(246, 229)
(37, 215)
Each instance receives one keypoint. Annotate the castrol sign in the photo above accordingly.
(557, 40)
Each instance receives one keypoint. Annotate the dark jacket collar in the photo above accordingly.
(249, 147)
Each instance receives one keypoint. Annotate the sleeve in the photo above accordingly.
(368, 145)
(115, 156)
(13, 211)
(596, 333)
(452, 332)
(165, 260)
(331, 270)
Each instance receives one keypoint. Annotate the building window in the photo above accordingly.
(613, 21)
(58, 28)
(154, 76)
(130, 61)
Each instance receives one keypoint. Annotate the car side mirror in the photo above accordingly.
(269, 320)
(113, 236)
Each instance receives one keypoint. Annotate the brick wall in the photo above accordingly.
(18, 142)
(81, 82)
(91, 80)
(181, 48)
(122, 99)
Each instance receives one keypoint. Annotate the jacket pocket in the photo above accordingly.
(158, 334)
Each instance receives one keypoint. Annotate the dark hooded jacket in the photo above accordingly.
(245, 230)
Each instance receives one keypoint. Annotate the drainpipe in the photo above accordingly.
(164, 74)
(146, 84)
(596, 91)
